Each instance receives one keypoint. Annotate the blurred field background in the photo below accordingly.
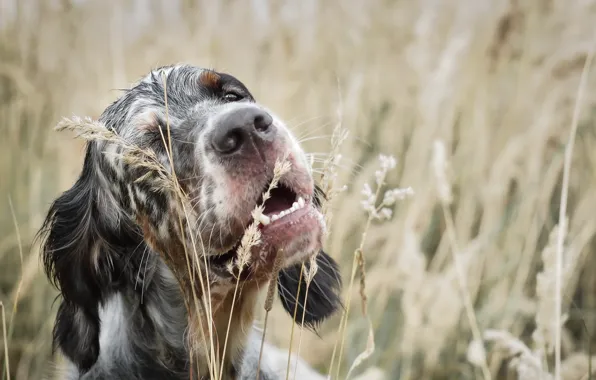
(495, 81)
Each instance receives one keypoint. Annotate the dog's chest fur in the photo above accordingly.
(142, 336)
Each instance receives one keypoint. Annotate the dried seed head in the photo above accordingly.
(252, 234)
(369, 203)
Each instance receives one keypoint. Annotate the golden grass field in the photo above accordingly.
(482, 103)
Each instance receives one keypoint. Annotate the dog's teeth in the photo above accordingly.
(272, 218)
(264, 219)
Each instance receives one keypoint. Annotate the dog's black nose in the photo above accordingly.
(239, 126)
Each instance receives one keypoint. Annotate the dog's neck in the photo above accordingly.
(219, 328)
(219, 315)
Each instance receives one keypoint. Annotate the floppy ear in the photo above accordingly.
(323, 292)
(82, 257)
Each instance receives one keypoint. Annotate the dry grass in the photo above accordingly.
(469, 254)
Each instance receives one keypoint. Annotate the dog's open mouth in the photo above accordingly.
(282, 205)
(289, 222)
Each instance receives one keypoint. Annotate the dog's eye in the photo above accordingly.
(232, 97)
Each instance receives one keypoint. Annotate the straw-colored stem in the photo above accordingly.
(5, 339)
(293, 324)
(563, 211)
(269, 304)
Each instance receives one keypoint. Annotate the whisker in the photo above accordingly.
(320, 137)
(293, 127)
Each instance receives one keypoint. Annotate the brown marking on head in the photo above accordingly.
(209, 78)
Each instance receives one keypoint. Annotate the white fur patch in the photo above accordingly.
(133, 204)
(274, 361)
(141, 196)
(113, 336)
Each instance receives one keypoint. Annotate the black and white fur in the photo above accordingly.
(107, 239)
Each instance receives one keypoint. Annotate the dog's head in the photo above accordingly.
(221, 148)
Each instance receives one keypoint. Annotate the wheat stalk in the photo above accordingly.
(309, 275)
(92, 130)
(563, 209)
(5, 339)
(269, 303)
(252, 238)
(182, 197)
(293, 324)
(375, 212)
(445, 196)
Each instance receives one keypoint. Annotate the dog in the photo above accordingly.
(152, 285)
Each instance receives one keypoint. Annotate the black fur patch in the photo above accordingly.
(323, 292)
(76, 332)
(88, 258)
